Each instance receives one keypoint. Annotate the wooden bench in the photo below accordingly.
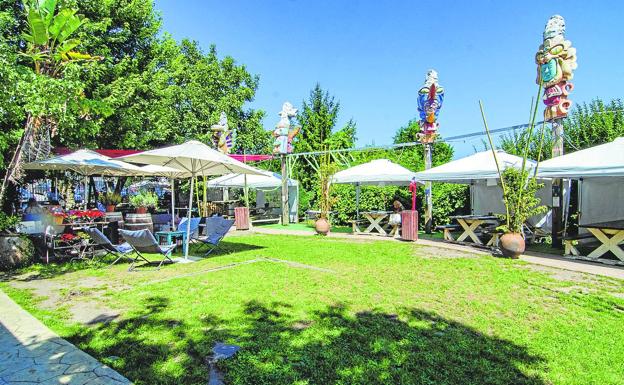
(448, 236)
(355, 225)
(570, 243)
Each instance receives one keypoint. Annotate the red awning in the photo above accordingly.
(118, 153)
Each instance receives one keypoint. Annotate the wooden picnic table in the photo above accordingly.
(610, 234)
(375, 219)
(470, 223)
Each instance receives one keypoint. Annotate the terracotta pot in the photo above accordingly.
(110, 208)
(322, 226)
(141, 210)
(512, 245)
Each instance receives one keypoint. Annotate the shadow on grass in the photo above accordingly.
(224, 248)
(332, 347)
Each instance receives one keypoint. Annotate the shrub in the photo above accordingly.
(144, 199)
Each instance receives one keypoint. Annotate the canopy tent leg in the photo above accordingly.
(357, 201)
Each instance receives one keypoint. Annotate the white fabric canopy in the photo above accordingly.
(85, 162)
(195, 158)
(268, 181)
(477, 166)
(598, 161)
(376, 172)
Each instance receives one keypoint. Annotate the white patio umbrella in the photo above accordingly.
(194, 158)
(85, 163)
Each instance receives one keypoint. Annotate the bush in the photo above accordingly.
(144, 199)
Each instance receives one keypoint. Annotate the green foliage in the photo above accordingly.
(8, 223)
(587, 125)
(110, 198)
(520, 199)
(144, 199)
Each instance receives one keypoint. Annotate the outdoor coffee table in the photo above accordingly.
(375, 218)
(470, 223)
(169, 236)
(610, 234)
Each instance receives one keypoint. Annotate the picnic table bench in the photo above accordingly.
(471, 225)
(611, 235)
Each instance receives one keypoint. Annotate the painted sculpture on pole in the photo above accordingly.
(285, 130)
(556, 60)
(222, 135)
(430, 98)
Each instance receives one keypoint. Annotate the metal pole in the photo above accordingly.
(285, 210)
(357, 201)
(246, 191)
(428, 198)
(557, 185)
(172, 204)
(188, 219)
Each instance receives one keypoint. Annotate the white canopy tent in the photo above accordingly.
(480, 172)
(194, 158)
(378, 172)
(267, 182)
(600, 171)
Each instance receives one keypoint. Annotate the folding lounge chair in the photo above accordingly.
(143, 241)
(216, 229)
(194, 229)
(118, 251)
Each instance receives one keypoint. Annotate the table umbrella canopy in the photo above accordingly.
(268, 181)
(599, 161)
(375, 172)
(477, 166)
(193, 157)
(85, 162)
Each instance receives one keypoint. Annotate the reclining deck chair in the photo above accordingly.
(118, 251)
(143, 241)
(194, 229)
(216, 229)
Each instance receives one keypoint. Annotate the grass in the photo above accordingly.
(306, 226)
(381, 313)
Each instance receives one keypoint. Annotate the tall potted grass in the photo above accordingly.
(520, 188)
(326, 171)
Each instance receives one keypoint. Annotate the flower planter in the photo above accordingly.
(512, 245)
(141, 210)
(110, 208)
(322, 226)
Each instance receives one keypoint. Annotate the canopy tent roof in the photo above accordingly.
(85, 162)
(270, 180)
(602, 160)
(474, 167)
(193, 157)
(375, 172)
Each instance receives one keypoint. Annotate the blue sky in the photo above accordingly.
(373, 55)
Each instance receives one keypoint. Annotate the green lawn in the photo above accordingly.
(377, 312)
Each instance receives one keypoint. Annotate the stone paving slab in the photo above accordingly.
(30, 353)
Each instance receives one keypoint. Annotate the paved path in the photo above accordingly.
(531, 257)
(30, 353)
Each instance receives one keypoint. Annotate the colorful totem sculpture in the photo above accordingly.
(222, 135)
(285, 130)
(556, 59)
(430, 98)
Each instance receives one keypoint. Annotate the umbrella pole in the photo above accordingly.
(172, 204)
(357, 201)
(246, 191)
(188, 220)
(86, 192)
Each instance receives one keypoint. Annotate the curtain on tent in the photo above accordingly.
(601, 199)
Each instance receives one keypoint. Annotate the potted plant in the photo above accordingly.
(144, 200)
(326, 170)
(111, 200)
(519, 192)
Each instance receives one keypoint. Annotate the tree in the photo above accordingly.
(318, 118)
(51, 88)
(586, 126)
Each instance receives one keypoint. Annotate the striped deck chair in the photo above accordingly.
(118, 251)
(143, 241)
(216, 229)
